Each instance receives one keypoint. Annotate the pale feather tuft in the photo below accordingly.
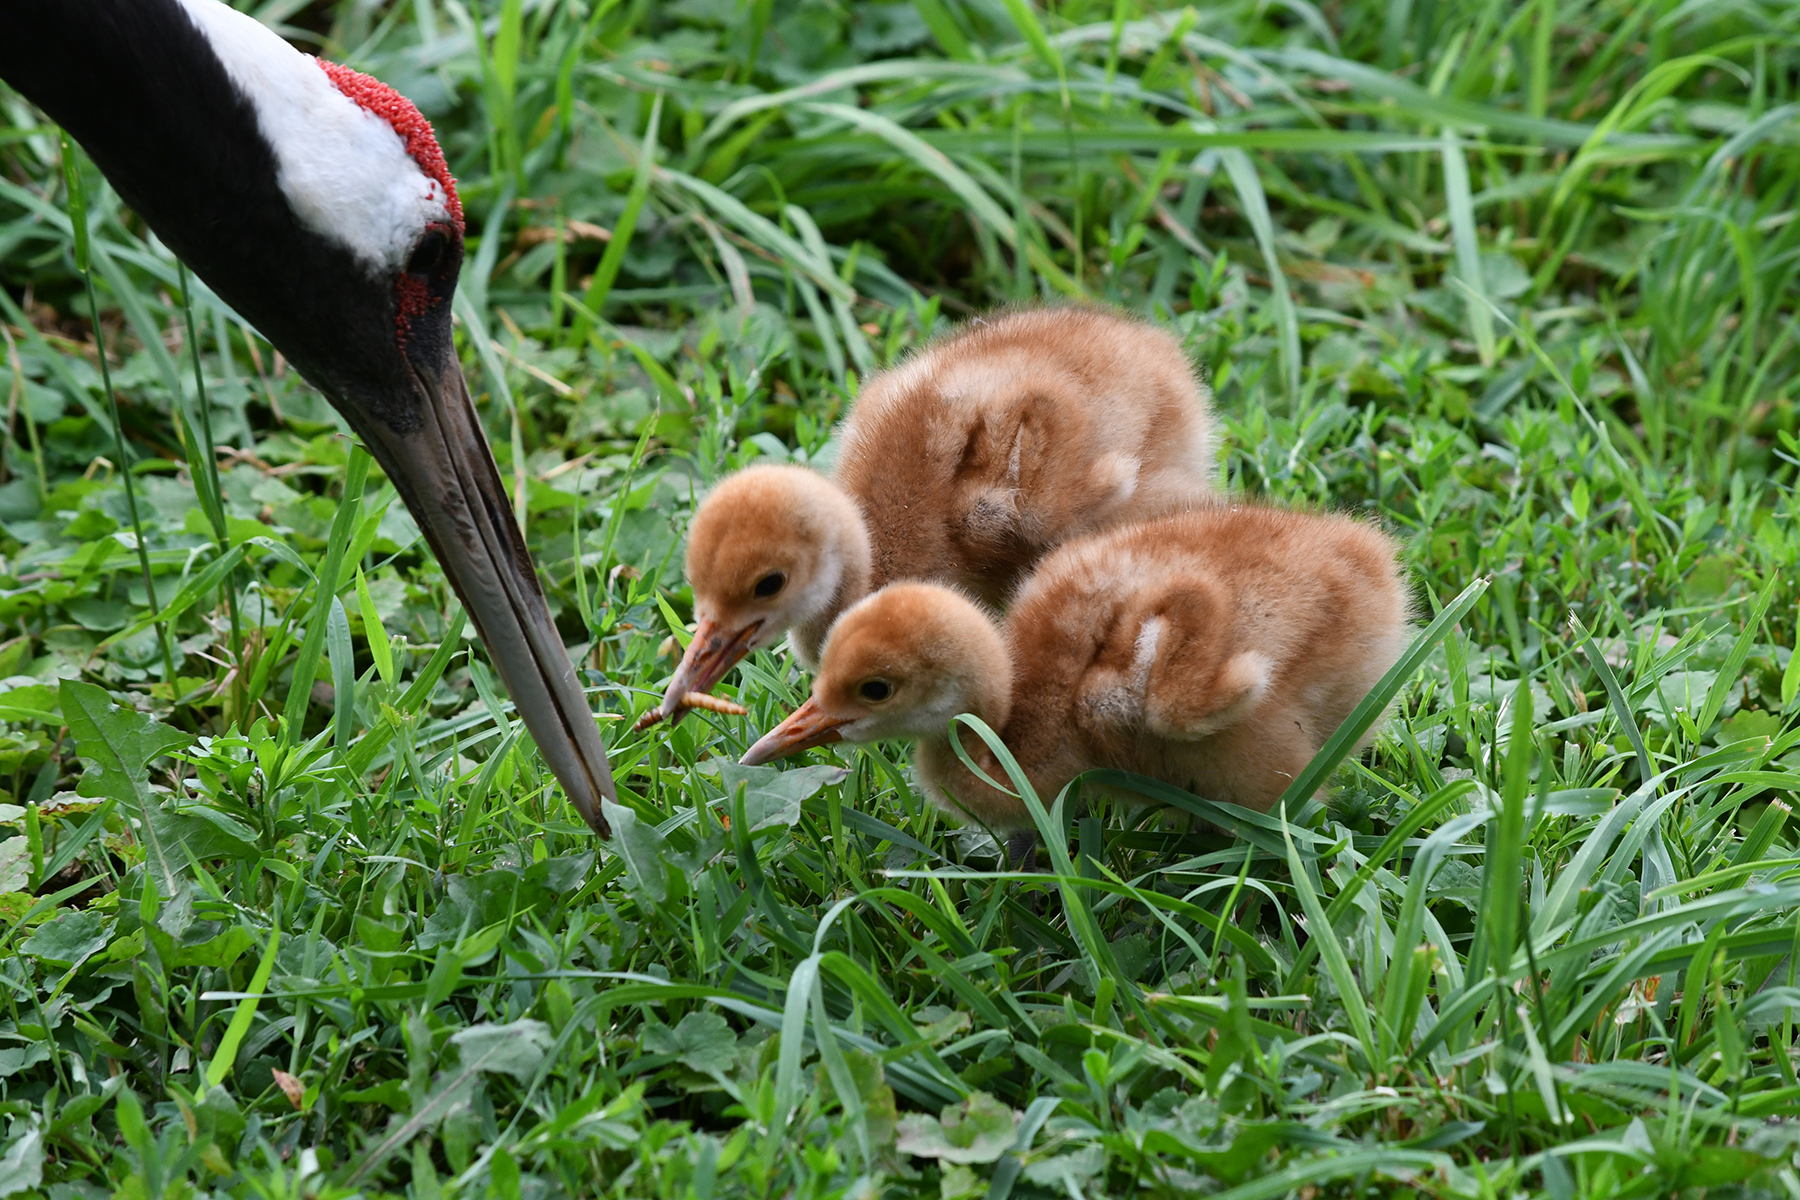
(344, 170)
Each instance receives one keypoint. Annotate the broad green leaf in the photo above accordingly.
(199, 831)
(701, 1040)
(977, 1130)
(22, 1166)
(117, 745)
(15, 864)
(14, 1059)
(197, 588)
(773, 796)
(641, 848)
(514, 1049)
(69, 940)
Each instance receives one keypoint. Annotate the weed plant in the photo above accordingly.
(290, 906)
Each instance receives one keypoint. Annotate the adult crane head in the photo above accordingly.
(316, 202)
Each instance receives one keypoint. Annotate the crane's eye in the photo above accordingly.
(769, 585)
(428, 255)
(875, 690)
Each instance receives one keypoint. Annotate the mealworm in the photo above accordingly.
(693, 700)
(716, 704)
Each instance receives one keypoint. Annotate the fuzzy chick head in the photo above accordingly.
(903, 662)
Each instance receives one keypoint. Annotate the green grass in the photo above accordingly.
(1518, 280)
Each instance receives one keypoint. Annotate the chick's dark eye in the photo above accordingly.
(875, 690)
(427, 255)
(770, 584)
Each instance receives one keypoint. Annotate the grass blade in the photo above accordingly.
(374, 633)
(928, 159)
(343, 674)
(1461, 207)
(1349, 991)
(614, 256)
(325, 590)
(1052, 829)
(226, 1057)
(1728, 678)
(1615, 696)
(1242, 172)
(1502, 880)
(78, 220)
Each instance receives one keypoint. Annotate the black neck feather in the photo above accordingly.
(141, 88)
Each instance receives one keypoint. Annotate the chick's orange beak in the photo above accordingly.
(804, 728)
(714, 651)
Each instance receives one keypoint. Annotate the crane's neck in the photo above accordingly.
(143, 90)
(290, 187)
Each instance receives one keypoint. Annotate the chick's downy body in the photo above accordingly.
(964, 465)
(972, 460)
(1215, 650)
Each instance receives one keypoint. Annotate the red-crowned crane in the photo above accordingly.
(316, 202)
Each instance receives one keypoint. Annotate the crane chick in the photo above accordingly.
(1214, 650)
(965, 465)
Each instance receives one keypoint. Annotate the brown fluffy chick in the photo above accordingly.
(1215, 650)
(965, 465)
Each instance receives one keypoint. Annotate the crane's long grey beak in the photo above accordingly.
(446, 474)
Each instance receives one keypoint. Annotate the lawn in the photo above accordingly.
(289, 906)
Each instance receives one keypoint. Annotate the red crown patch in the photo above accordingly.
(406, 120)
